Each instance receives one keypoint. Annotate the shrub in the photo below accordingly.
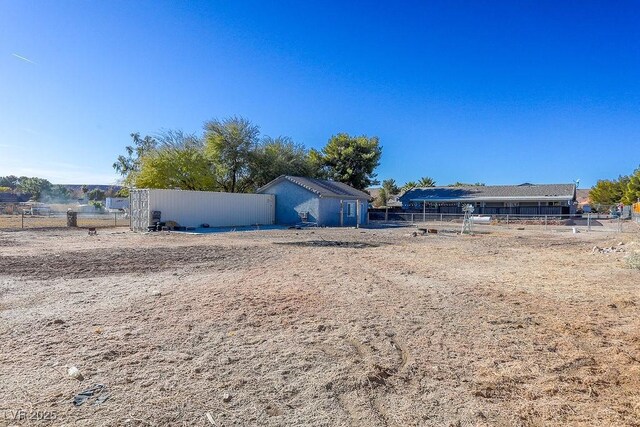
(96, 204)
(633, 260)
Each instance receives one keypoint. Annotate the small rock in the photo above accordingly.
(156, 294)
(226, 398)
(74, 373)
(58, 322)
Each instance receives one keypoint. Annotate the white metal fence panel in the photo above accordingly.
(193, 208)
(139, 210)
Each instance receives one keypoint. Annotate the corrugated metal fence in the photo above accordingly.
(193, 208)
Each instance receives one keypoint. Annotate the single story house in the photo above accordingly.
(523, 199)
(317, 201)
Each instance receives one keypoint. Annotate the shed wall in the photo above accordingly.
(291, 201)
(330, 212)
(192, 208)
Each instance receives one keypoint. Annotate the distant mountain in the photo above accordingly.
(582, 195)
(76, 187)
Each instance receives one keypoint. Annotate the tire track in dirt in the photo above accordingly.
(103, 262)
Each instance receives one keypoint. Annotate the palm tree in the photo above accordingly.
(408, 186)
(425, 181)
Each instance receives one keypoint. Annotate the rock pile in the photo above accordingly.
(609, 250)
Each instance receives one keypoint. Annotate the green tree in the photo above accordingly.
(381, 199)
(348, 159)
(426, 182)
(10, 181)
(229, 144)
(96, 194)
(178, 162)
(129, 165)
(123, 192)
(316, 165)
(632, 190)
(390, 186)
(33, 186)
(5, 189)
(57, 193)
(408, 186)
(609, 192)
(275, 157)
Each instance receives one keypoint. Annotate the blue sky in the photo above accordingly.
(494, 91)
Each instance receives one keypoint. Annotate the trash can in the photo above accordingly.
(72, 219)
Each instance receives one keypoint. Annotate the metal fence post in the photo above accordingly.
(507, 219)
(115, 219)
(589, 222)
(22, 213)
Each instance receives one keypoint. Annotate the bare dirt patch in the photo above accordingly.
(330, 243)
(382, 329)
(104, 262)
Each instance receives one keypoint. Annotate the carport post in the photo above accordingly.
(424, 211)
(341, 213)
(589, 221)
(358, 210)
(545, 222)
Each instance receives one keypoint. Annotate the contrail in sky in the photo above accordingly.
(23, 58)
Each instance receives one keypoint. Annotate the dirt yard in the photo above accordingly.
(320, 327)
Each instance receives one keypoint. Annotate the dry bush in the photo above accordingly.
(633, 260)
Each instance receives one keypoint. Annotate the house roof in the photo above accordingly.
(496, 193)
(8, 197)
(321, 187)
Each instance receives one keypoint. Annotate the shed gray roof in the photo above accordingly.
(492, 192)
(321, 187)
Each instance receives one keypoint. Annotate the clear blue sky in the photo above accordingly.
(499, 92)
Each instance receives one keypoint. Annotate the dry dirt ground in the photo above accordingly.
(285, 327)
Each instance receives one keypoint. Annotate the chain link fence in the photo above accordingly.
(570, 223)
(19, 219)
